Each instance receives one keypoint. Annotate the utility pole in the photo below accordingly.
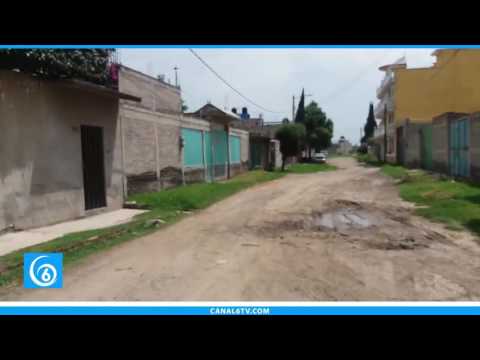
(385, 134)
(176, 76)
(293, 109)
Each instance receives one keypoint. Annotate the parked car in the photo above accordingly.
(320, 158)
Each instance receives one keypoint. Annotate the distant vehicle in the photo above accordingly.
(320, 158)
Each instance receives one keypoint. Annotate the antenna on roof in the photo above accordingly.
(176, 76)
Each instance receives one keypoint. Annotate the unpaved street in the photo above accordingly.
(340, 235)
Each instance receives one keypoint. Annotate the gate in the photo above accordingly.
(426, 147)
(459, 162)
(255, 154)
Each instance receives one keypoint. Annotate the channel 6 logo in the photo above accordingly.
(42, 270)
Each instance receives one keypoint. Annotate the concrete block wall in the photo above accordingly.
(412, 144)
(152, 154)
(156, 95)
(151, 142)
(194, 175)
(236, 169)
(278, 154)
(440, 144)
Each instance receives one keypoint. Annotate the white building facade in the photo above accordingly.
(385, 110)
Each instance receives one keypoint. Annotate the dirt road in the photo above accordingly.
(340, 235)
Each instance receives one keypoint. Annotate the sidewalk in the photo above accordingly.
(19, 240)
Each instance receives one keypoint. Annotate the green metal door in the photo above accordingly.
(255, 155)
(220, 152)
(459, 148)
(426, 147)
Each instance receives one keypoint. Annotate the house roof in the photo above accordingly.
(401, 62)
(98, 89)
(214, 113)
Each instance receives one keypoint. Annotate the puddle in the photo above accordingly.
(345, 218)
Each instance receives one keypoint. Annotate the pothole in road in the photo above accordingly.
(345, 215)
(344, 219)
(363, 224)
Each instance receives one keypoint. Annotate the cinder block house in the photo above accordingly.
(164, 147)
(70, 148)
(60, 154)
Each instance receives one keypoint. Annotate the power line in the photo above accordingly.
(352, 81)
(231, 87)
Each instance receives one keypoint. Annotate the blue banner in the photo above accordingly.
(240, 310)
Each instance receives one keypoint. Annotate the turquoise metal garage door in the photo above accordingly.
(459, 148)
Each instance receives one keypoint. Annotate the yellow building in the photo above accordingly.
(417, 95)
(452, 84)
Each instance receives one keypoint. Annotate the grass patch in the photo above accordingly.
(308, 168)
(395, 171)
(455, 203)
(166, 205)
(368, 159)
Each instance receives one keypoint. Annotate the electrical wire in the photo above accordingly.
(353, 81)
(231, 86)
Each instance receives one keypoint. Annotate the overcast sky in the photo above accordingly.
(341, 81)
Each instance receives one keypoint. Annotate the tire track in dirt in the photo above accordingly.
(340, 235)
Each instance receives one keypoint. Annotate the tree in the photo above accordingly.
(87, 64)
(300, 116)
(321, 139)
(370, 125)
(319, 128)
(184, 106)
(290, 137)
